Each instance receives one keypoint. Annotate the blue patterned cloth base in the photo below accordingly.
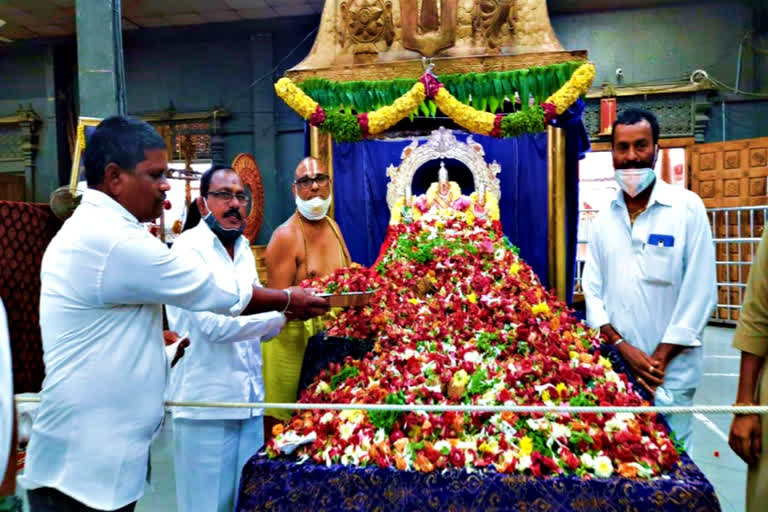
(282, 485)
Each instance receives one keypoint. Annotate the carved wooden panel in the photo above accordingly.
(12, 187)
(732, 174)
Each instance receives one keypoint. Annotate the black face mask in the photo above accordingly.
(227, 236)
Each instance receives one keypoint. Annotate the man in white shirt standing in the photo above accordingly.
(649, 280)
(104, 280)
(7, 415)
(223, 363)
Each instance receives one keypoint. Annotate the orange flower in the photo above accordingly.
(278, 429)
(627, 470)
(400, 462)
(422, 463)
(509, 417)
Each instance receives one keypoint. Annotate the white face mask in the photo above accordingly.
(314, 209)
(634, 181)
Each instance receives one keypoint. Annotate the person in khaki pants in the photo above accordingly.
(749, 432)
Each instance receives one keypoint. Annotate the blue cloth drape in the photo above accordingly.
(360, 178)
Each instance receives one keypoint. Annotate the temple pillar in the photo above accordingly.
(100, 69)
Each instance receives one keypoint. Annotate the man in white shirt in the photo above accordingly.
(223, 363)
(104, 280)
(7, 413)
(649, 279)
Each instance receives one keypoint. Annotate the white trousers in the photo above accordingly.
(208, 459)
(681, 424)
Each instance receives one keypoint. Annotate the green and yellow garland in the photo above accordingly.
(345, 126)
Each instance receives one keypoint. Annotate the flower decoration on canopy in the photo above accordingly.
(428, 93)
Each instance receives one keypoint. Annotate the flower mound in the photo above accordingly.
(459, 318)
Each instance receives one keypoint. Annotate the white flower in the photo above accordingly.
(615, 425)
(560, 430)
(540, 424)
(442, 446)
(642, 471)
(499, 254)
(586, 460)
(327, 418)
(380, 436)
(603, 467)
(473, 357)
(346, 430)
(524, 463)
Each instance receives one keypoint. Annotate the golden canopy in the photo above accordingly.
(385, 39)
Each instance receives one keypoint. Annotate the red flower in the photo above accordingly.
(318, 116)
(457, 457)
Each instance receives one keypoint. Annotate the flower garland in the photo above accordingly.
(344, 126)
(485, 90)
(347, 127)
(577, 85)
(525, 121)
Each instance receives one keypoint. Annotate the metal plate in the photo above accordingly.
(346, 300)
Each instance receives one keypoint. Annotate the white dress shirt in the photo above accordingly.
(6, 393)
(223, 360)
(660, 293)
(104, 279)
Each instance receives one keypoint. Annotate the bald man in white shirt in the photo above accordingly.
(104, 280)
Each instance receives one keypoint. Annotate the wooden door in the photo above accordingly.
(11, 187)
(730, 177)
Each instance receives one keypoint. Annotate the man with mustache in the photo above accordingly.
(649, 279)
(223, 364)
(104, 280)
(307, 245)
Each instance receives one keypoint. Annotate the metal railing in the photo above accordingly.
(736, 233)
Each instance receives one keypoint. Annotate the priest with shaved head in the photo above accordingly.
(307, 245)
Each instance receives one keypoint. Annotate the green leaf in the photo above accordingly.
(386, 419)
(493, 104)
(345, 373)
(432, 108)
(424, 109)
(478, 383)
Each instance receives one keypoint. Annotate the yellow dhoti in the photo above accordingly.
(281, 363)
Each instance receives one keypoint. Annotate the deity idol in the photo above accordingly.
(444, 194)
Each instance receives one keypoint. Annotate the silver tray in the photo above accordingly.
(348, 299)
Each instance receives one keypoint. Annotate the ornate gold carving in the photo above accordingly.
(366, 20)
(385, 39)
(246, 167)
(364, 23)
(421, 32)
(490, 16)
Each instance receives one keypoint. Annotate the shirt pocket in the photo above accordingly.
(659, 265)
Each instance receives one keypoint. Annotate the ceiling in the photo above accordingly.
(44, 18)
